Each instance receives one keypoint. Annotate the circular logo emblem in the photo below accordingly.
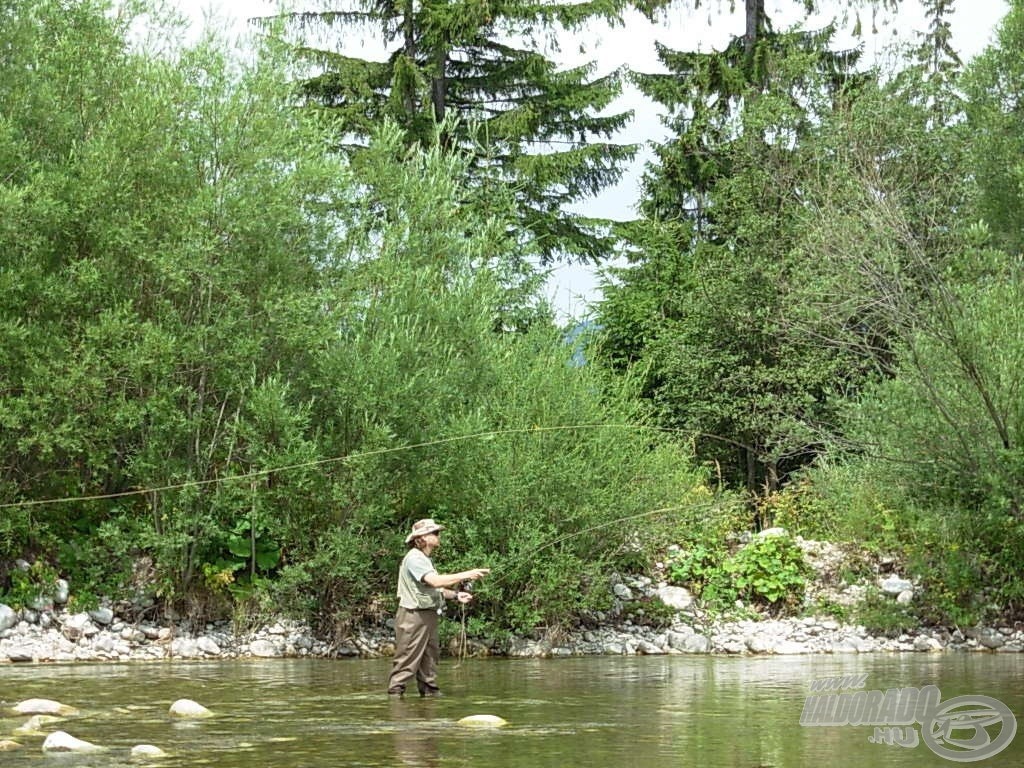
(969, 728)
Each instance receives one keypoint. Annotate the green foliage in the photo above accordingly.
(28, 585)
(649, 613)
(255, 364)
(710, 311)
(769, 569)
(298, 357)
(700, 569)
(478, 69)
(881, 615)
(994, 85)
(846, 501)
(801, 509)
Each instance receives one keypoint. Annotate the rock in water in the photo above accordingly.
(35, 724)
(43, 707)
(190, 709)
(147, 751)
(59, 741)
(486, 721)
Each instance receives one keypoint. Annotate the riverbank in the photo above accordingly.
(90, 641)
(648, 616)
(100, 636)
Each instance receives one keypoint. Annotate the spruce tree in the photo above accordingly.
(482, 68)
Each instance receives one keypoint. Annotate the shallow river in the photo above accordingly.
(597, 712)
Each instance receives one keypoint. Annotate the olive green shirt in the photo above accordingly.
(413, 592)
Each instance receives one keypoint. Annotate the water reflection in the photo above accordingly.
(415, 743)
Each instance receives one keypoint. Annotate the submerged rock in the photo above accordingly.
(43, 707)
(6, 745)
(34, 725)
(486, 721)
(147, 751)
(189, 709)
(60, 741)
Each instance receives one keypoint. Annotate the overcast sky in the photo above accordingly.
(572, 287)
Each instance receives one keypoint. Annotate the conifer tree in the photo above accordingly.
(482, 62)
(704, 305)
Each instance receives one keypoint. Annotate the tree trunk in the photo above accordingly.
(439, 86)
(755, 23)
(409, 29)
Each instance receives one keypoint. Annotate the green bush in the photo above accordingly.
(769, 570)
(882, 615)
(801, 509)
(700, 568)
(27, 585)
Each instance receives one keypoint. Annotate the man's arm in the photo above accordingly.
(442, 580)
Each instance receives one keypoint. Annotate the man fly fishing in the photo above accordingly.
(421, 595)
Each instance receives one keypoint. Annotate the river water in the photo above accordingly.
(596, 712)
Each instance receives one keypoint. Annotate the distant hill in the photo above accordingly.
(575, 336)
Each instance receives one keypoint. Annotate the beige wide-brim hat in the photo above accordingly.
(422, 528)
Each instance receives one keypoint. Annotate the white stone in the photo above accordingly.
(758, 644)
(622, 592)
(61, 592)
(20, 653)
(43, 707)
(184, 647)
(263, 649)
(147, 751)
(696, 644)
(846, 645)
(992, 640)
(33, 726)
(59, 741)
(905, 597)
(77, 626)
(41, 603)
(677, 638)
(893, 585)
(677, 598)
(189, 709)
(8, 617)
(208, 646)
(102, 616)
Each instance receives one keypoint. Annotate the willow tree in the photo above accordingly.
(485, 69)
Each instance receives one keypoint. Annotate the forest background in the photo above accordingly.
(263, 306)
